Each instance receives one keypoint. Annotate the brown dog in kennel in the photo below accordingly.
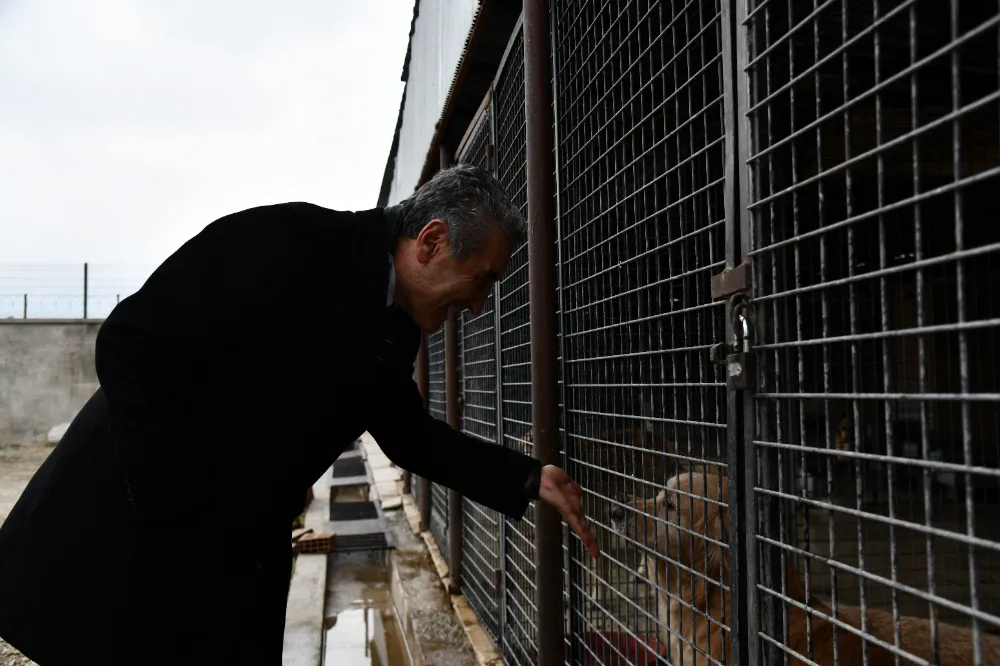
(693, 557)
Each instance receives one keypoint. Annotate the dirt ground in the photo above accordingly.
(17, 465)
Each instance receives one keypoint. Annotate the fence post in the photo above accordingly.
(422, 388)
(424, 494)
(86, 272)
(542, 298)
(739, 404)
(451, 389)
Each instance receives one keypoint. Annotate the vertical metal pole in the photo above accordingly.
(739, 404)
(86, 271)
(748, 182)
(453, 415)
(424, 494)
(544, 342)
(500, 573)
(25, 306)
(422, 388)
(573, 601)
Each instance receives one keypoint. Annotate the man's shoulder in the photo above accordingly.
(304, 227)
(307, 211)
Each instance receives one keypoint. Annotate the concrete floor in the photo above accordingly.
(360, 627)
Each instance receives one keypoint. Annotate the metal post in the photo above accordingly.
(451, 389)
(455, 517)
(86, 271)
(544, 342)
(739, 404)
(422, 388)
(424, 494)
(25, 306)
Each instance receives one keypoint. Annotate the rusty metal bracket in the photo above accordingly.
(732, 281)
(717, 353)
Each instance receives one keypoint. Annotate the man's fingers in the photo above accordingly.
(582, 528)
(567, 499)
(578, 521)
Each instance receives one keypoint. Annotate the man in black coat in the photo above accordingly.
(236, 375)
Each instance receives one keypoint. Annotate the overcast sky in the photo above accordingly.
(128, 125)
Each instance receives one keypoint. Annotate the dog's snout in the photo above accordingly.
(618, 513)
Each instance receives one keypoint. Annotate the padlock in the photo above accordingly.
(740, 365)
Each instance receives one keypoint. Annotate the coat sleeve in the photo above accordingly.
(491, 475)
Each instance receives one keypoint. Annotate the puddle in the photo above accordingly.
(364, 635)
(348, 494)
(361, 627)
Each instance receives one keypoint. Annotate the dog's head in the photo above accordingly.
(686, 523)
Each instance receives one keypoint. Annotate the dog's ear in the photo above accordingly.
(712, 524)
(718, 526)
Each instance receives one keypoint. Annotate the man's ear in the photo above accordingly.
(432, 240)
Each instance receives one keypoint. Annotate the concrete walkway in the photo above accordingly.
(385, 475)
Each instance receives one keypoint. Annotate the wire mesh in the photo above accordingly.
(66, 291)
(481, 542)
(641, 157)
(439, 518)
(519, 644)
(437, 407)
(874, 165)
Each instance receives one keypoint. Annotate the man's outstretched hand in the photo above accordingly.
(558, 490)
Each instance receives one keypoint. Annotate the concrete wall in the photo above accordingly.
(46, 375)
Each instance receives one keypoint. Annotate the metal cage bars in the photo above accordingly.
(802, 150)
(872, 157)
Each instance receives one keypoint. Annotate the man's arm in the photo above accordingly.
(491, 475)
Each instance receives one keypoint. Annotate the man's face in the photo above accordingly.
(442, 281)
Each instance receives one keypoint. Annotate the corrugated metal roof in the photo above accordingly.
(390, 163)
(430, 113)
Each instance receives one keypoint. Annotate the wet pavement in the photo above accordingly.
(361, 627)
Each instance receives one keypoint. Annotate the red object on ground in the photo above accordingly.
(622, 649)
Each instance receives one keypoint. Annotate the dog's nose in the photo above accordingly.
(617, 513)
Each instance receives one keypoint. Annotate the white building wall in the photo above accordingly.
(436, 47)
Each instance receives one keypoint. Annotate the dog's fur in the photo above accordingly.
(688, 586)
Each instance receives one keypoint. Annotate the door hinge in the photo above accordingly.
(732, 281)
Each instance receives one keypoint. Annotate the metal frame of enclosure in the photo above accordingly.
(760, 330)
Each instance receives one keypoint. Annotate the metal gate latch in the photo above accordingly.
(739, 365)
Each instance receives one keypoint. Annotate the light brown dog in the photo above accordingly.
(694, 608)
(955, 644)
(692, 600)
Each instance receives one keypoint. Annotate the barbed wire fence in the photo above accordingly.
(66, 291)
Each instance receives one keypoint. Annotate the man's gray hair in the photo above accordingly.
(470, 201)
